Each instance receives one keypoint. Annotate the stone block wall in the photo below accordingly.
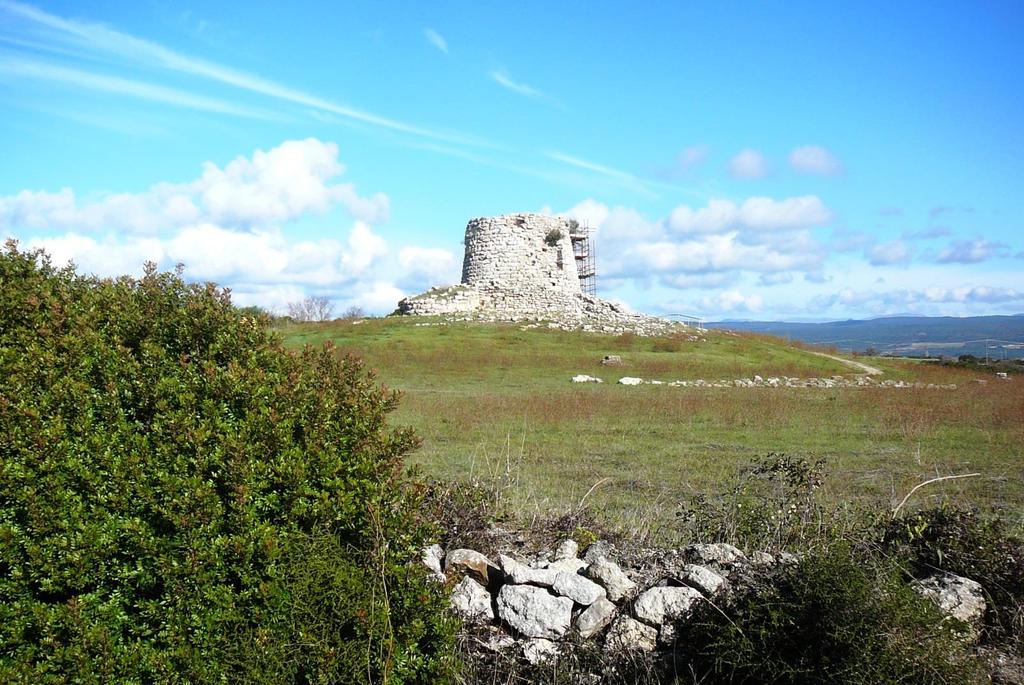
(512, 254)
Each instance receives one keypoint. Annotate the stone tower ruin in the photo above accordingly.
(523, 267)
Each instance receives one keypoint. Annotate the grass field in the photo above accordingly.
(494, 405)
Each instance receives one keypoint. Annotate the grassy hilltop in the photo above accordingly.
(494, 405)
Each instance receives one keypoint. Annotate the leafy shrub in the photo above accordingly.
(962, 542)
(553, 237)
(773, 504)
(835, 617)
(182, 500)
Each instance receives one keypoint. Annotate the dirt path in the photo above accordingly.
(860, 366)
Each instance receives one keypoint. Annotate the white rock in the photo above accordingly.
(959, 597)
(521, 574)
(703, 579)
(596, 550)
(594, 619)
(432, 557)
(571, 565)
(661, 604)
(762, 558)
(534, 612)
(468, 561)
(567, 549)
(538, 650)
(629, 634)
(612, 578)
(472, 601)
(629, 380)
(720, 553)
(577, 588)
(584, 378)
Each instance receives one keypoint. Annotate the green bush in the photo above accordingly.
(182, 500)
(835, 617)
(553, 237)
(771, 504)
(963, 542)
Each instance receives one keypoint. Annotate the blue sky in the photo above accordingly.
(791, 160)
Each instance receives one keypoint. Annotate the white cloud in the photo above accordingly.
(777, 278)
(272, 187)
(812, 159)
(748, 163)
(972, 251)
(614, 224)
(756, 213)
(892, 252)
(106, 257)
(928, 233)
(376, 297)
(429, 266)
(589, 212)
(364, 248)
(730, 301)
(234, 225)
(688, 159)
(708, 247)
(501, 77)
(435, 39)
(724, 252)
(703, 281)
(919, 300)
(848, 241)
(215, 253)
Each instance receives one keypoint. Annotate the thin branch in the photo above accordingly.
(595, 486)
(921, 485)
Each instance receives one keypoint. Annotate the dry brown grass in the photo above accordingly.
(494, 405)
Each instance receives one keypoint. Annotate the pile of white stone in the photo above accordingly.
(777, 382)
(534, 605)
(589, 314)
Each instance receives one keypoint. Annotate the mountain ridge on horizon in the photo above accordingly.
(903, 335)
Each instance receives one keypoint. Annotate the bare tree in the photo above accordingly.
(313, 308)
(353, 312)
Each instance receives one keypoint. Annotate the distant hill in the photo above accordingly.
(916, 336)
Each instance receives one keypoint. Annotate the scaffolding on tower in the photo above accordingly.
(583, 251)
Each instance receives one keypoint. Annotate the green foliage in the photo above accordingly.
(553, 236)
(962, 542)
(835, 617)
(182, 500)
(772, 505)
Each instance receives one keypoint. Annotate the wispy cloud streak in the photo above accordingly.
(436, 39)
(500, 77)
(113, 84)
(624, 178)
(102, 39)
